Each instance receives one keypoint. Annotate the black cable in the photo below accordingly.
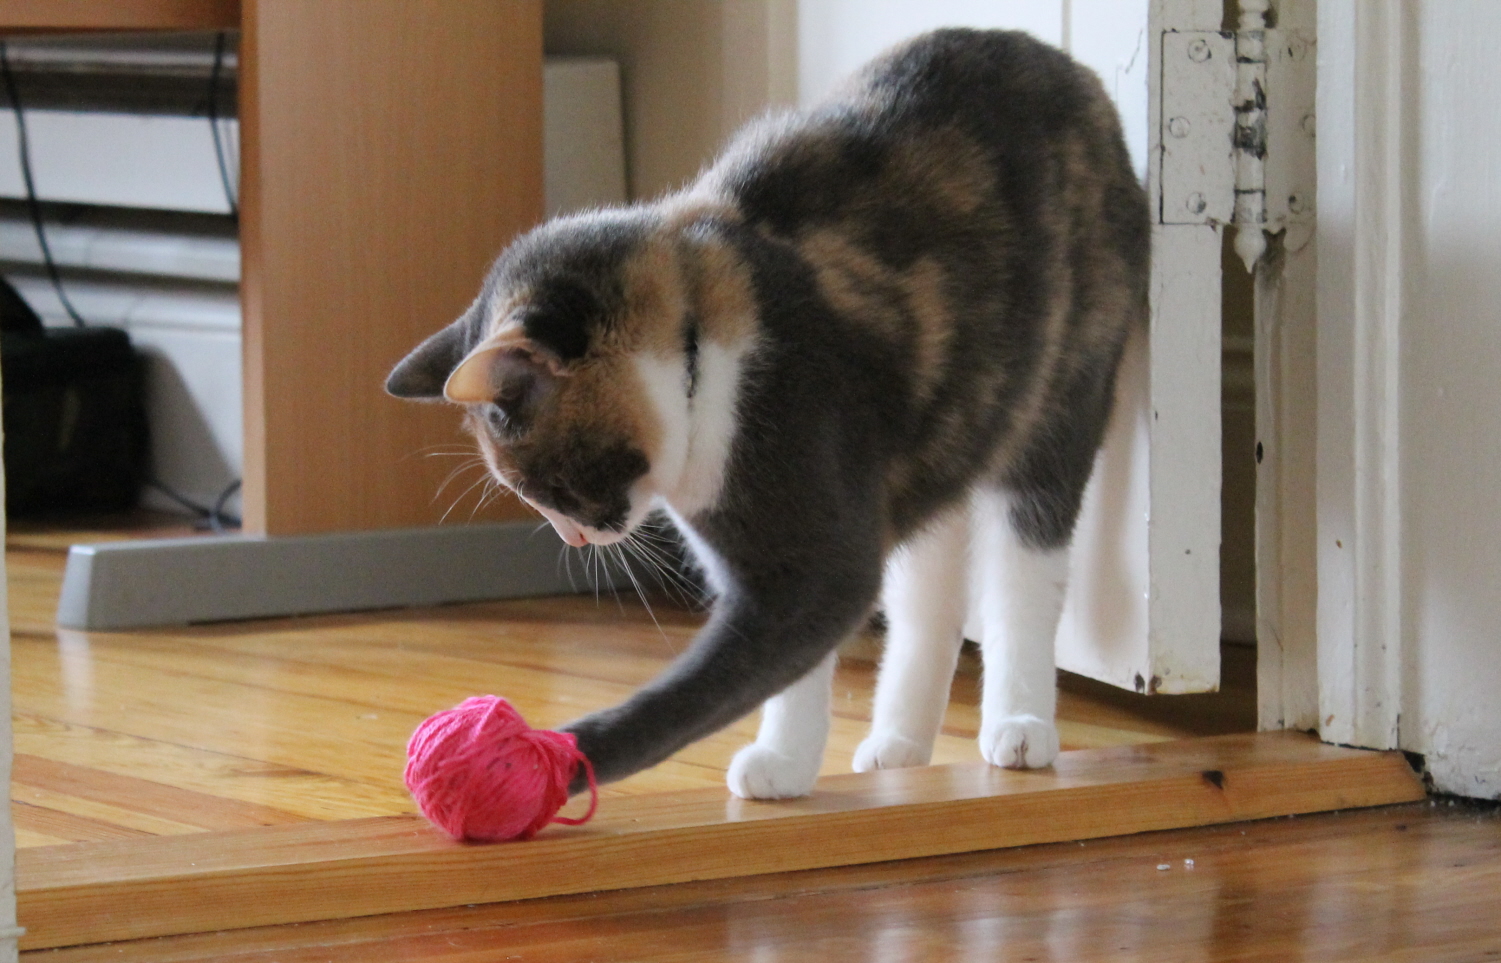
(217, 518)
(32, 204)
(213, 123)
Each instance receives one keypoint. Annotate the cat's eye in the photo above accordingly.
(510, 409)
(512, 395)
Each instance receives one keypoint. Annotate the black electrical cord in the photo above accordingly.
(32, 204)
(213, 123)
(216, 517)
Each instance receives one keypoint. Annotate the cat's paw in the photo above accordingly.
(757, 772)
(889, 751)
(1019, 742)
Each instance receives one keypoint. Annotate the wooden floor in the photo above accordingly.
(291, 721)
(129, 734)
(1417, 884)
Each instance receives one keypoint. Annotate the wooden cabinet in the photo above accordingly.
(389, 150)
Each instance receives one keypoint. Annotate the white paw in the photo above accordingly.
(889, 751)
(757, 772)
(1019, 742)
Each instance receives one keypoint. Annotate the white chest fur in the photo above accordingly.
(698, 422)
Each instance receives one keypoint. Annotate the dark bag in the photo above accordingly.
(75, 414)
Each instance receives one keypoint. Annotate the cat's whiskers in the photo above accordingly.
(456, 472)
(592, 566)
(655, 552)
(488, 494)
(624, 563)
(565, 562)
(462, 495)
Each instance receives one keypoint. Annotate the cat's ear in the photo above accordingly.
(420, 376)
(504, 370)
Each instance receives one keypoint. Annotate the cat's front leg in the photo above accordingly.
(924, 595)
(1019, 588)
(784, 760)
(765, 635)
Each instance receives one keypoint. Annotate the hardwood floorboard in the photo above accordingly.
(298, 791)
(307, 872)
(70, 826)
(308, 717)
(248, 731)
(141, 796)
(1416, 884)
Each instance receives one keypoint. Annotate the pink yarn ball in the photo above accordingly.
(479, 772)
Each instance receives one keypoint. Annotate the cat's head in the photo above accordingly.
(546, 366)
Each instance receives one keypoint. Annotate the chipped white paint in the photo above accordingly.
(1198, 118)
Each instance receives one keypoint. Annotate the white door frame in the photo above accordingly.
(1328, 515)
(1327, 314)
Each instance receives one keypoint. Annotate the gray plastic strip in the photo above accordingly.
(124, 585)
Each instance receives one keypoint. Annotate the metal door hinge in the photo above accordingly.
(1198, 120)
(1231, 154)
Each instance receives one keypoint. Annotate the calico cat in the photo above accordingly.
(869, 352)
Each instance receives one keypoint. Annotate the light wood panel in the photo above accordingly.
(210, 726)
(389, 151)
(207, 729)
(1416, 883)
(283, 874)
(39, 15)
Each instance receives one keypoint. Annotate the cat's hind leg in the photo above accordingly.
(924, 595)
(1019, 587)
(784, 760)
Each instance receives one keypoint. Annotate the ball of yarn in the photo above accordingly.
(479, 772)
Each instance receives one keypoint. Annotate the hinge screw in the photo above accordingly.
(1196, 203)
(1178, 127)
(1198, 51)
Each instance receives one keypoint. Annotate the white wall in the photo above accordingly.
(174, 294)
(835, 37)
(1451, 402)
(1410, 383)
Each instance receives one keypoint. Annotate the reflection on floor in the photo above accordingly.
(1418, 883)
(257, 723)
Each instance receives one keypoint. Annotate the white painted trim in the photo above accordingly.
(1287, 594)
(1363, 109)
(1285, 373)
(1143, 606)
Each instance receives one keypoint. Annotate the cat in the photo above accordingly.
(867, 356)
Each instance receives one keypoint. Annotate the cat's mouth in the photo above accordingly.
(572, 532)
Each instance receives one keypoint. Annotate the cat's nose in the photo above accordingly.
(567, 529)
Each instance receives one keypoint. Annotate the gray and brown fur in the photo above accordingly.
(938, 269)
